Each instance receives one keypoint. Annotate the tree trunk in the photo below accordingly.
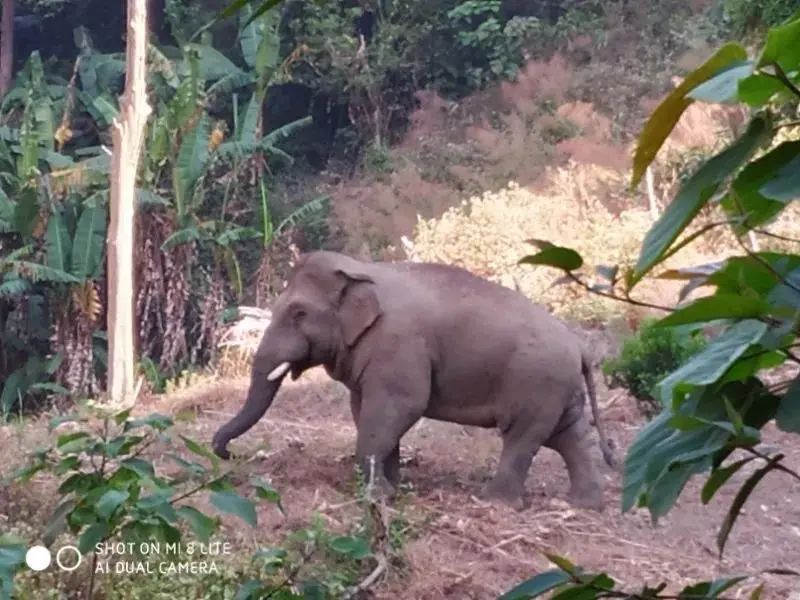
(127, 134)
(6, 46)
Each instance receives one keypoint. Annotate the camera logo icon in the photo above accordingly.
(68, 558)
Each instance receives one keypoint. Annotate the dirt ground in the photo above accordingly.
(461, 547)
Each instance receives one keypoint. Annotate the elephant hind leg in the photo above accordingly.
(521, 441)
(573, 444)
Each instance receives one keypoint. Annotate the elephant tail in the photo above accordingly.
(605, 447)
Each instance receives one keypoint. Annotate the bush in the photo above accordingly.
(647, 357)
(746, 15)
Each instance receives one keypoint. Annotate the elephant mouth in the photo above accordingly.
(296, 368)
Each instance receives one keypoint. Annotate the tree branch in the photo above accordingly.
(777, 465)
(627, 299)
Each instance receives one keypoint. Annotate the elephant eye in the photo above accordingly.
(299, 314)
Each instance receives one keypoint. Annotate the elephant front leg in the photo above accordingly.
(391, 466)
(393, 400)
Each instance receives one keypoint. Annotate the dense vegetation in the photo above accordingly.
(235, 105)
(714, 405)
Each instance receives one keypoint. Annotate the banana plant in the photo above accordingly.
(51, 238)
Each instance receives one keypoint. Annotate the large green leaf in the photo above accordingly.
(213, 64)
(666, 116)
(249, 124)
(556, 256)
(785, 186)
(637, 459)
(26, 211)
(756, 275)
(12, 557)
(202, 525)
(720, 476)
(723, 87)
(695, 193)
(6, 211)
(268, 144)
(13, 390)
(89, 242)
(259, 39)
(718, 306)
(260, 6)
(758, 89)
(274, 137)
(110, 501)
(29, 143)
(354, 547)
(788, 415)
(38, 272)
(762, 188)
(233, 503)
(782, 47)
(535, 587)
(710, 364)
(688, 439)
(269, 47)
(91, 536)
(739, 501)
(58, 243)
(708, 589)
(183, 236)
(191, 163)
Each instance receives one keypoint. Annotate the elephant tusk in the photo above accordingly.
(279, 371)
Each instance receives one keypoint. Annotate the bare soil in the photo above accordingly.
(461, 547)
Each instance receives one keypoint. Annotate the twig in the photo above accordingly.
(780, 75)
(370, 579)
(775, 235)
(506, 542)
(626, 298)
(767, 266)
(788, 124)
(776, 464)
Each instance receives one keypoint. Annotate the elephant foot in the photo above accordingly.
(381, 489)
(503, 493)
(591, 499)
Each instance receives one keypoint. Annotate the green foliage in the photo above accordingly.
(745, 15)
(490, 48)
(54, 187)
(568, 581)
(52, 236)
(321, 564)
(649, 356)
(718, 400)
(109, 490)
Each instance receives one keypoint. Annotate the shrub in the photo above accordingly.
(745, 15)
(647, 357)
(716, 403)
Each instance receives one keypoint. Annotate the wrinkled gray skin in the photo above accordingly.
(414, 340)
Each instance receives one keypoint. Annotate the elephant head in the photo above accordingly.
(328, 304)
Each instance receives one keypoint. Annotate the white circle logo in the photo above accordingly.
(37, 558)
(64, 567)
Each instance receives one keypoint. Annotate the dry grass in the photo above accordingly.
(487, 235)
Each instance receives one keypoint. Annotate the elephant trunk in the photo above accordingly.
(259, 398)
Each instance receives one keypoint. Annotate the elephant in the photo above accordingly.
(412, 340)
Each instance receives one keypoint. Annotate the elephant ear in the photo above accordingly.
(359, 307)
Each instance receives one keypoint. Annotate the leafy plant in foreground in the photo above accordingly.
(647, 357)
(568, 582)
(717, 402)
(111, 492)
